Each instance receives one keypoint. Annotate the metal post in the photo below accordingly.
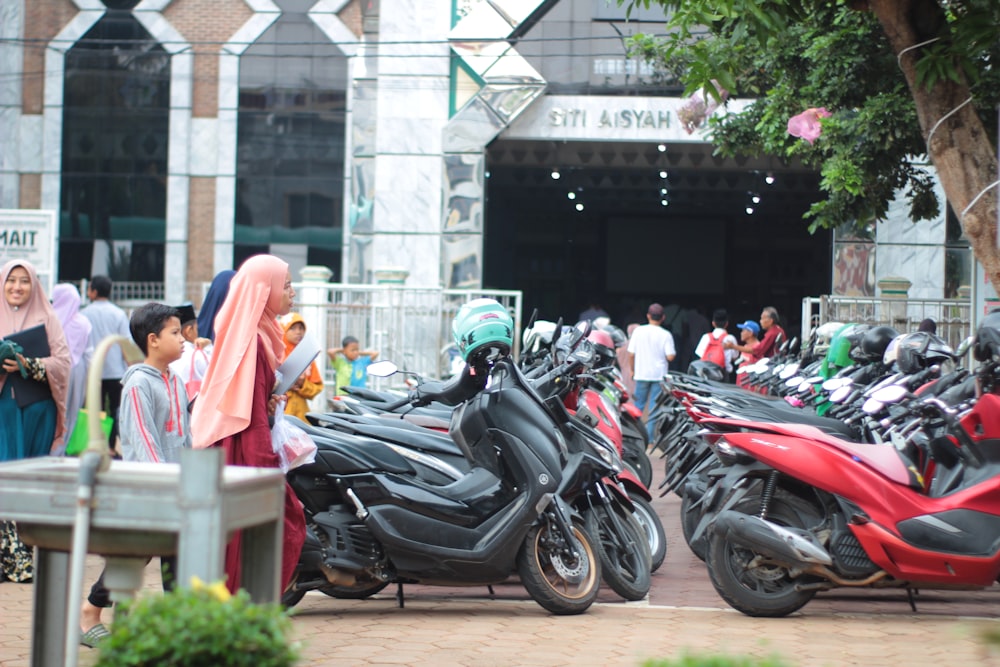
(50, 608)
(201, 542)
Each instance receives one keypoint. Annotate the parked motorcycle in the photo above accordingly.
(800, 511)
(373, 520)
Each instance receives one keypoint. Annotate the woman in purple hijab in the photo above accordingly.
(76, 327)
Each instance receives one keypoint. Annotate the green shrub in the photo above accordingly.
(716, 661)
(201, 626)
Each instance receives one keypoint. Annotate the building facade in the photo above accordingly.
(176, 137)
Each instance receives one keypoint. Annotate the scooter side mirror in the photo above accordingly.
(894, 393)
(382, 369)
(841, 393)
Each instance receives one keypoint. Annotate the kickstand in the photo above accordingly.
(911, 597)
(489, 587)
(399, 595)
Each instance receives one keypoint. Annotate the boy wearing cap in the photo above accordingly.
(774, 335)
(749, 331)
(191, 367)
(650, 351)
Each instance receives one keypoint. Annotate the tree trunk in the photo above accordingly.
(959, 147)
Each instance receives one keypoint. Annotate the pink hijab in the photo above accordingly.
(76, 327)
(36, 311)
(250, 310)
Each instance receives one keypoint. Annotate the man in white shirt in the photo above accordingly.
(715, 344)
(650, 351)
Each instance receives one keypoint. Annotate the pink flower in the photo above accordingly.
(700, 106)
(806, 125)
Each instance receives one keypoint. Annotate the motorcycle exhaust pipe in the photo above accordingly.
(772, 540)
(337, 577)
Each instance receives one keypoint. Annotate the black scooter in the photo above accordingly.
(373, 520)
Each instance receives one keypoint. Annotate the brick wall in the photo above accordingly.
(201, 230)
(207, 25)
(43, 19)
(31, 191)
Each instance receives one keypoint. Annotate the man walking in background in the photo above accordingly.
(650, 349)
(107, 319)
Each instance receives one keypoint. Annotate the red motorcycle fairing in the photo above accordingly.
(633, 486)
(632, 410)
(874, 478)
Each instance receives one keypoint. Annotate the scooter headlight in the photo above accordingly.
(606, 450)
(728, 454)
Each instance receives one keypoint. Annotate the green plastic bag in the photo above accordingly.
(81, 433)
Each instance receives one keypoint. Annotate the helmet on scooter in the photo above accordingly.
(707, 370)
(875, 341)
(842, 345)
(922, 349)
(537, 337)
(618, 337)
(822, 335)
(987, 345)
(604, 347)
(482, 324)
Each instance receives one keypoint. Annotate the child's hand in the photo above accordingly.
(299, 382)
(333, 352)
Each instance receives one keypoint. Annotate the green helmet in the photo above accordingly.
(480, 324)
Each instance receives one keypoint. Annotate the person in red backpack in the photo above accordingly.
(713, 345)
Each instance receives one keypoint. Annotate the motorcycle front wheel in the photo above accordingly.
(623, 549)
(749, 582)
(650, 522)
(561, 582)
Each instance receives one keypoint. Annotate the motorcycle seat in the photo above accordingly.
(358, 455)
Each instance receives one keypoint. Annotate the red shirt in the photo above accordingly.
(769, 343)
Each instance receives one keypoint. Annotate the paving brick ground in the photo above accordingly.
(683, 613)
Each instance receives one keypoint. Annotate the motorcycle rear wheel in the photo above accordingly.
(559, 583)
(764, 590)
(650, 522)
(623, 549)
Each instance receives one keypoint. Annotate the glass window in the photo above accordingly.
(114, 152)
(291, 139)
(581, 50)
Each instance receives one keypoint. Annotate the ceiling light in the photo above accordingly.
(662, 148)
(579, 207)
(664, 202)
(663, 174)
(769, 179)
(556, 175)
(571, 195)
(755, 198)
(749, 210)
(663, 191)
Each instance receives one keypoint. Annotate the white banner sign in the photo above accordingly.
(30, 235)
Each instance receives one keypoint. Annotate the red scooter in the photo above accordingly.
(800, 511)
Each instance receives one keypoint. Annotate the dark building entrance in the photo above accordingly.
(625, 224)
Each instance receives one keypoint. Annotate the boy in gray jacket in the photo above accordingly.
(153, 424)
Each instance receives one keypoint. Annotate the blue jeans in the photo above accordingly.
(646, 392)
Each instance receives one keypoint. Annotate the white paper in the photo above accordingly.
(296, 364)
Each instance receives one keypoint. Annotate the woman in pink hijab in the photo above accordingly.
(236, 402)
(76, 328)
(32, 404)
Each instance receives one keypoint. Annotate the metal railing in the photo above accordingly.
(410, 326)
(953, 317)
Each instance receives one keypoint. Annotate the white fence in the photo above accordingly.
(410, 326)
(952, 316)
